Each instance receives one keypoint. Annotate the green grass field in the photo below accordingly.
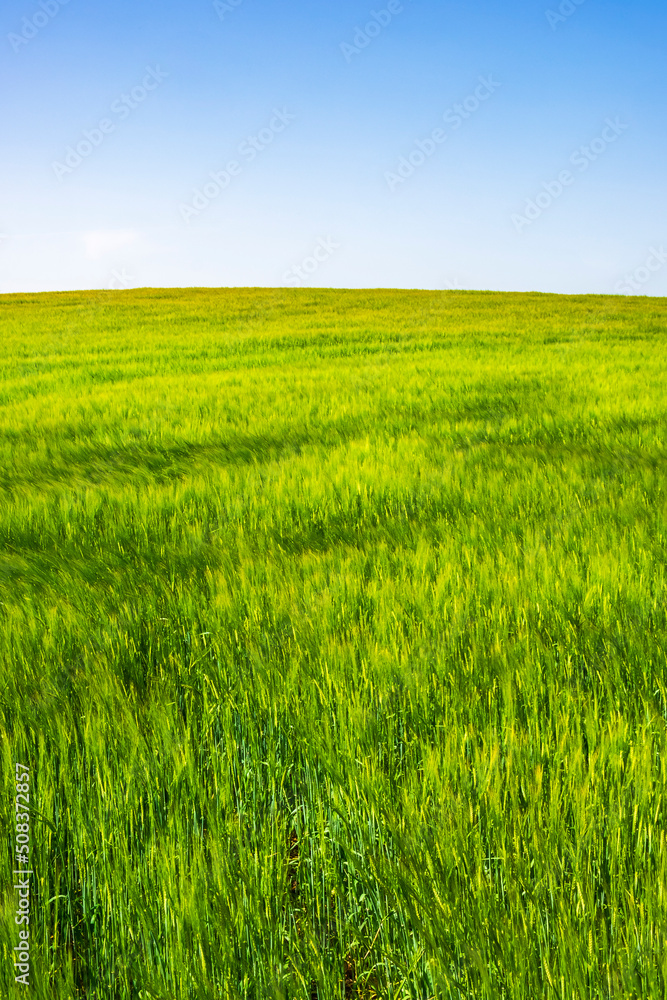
(333, 632)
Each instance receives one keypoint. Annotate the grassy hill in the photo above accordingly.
(334, 636)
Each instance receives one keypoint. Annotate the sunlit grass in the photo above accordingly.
(334, 633)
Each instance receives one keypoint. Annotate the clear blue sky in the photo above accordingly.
(334, 117)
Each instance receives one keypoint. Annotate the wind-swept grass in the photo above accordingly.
(333, 631)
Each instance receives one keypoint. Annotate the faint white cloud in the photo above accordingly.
(100, 242)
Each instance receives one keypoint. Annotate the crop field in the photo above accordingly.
(333, 633)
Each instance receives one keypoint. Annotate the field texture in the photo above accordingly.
(333, 632)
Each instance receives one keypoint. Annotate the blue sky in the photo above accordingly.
(116, 114)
